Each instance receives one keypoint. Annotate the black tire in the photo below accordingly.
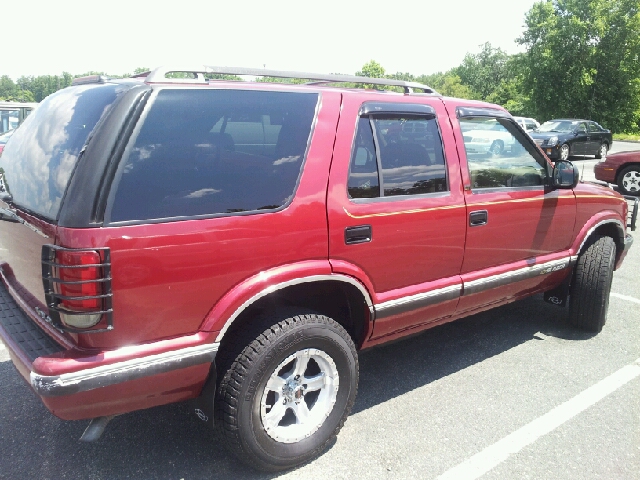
(497, 147)
(242, 392)
(602, 151)
(565, 152)
(591, 284)
(629, 180)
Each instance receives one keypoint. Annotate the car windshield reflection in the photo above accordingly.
(558, 127)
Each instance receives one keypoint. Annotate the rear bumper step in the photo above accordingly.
(73, 384)
(115, 373)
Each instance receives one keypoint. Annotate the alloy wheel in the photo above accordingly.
(299, 395)
(631, 181)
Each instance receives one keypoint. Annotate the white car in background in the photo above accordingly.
(528, 124)
(487, 136)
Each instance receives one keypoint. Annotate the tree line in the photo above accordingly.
(581, 59)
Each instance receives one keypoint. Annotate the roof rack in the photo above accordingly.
(160, 74)
(89, 79)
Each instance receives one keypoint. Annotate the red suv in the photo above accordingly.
(238, 242)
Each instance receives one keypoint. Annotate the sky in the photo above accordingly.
(329, 36)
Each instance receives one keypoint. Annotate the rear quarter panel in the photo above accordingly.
(168, 276)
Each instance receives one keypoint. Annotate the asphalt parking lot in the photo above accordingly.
(511, 393)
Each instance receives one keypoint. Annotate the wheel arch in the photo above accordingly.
(623, 167)
(350, 304)
(611, 227)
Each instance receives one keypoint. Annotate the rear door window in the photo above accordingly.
(403, 153)
(214, 152)
(37, 163)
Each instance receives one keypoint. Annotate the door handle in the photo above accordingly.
(359, 234)
(478, 218)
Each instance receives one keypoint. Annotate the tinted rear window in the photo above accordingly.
(38, 161)
(210, 152)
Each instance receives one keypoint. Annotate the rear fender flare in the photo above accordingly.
(243, 295)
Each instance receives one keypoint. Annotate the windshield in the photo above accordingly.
(560, 126)
(38, 162)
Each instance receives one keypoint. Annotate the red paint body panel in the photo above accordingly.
(470, 303)
(521, 224)
(258, 283)
(168, 276)
(75, 360)
(177, 284)
(596, 203)
(607, 171)
(148, 392)
(415, 240)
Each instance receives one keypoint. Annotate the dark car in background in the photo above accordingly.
(565, 137)
(622, 169)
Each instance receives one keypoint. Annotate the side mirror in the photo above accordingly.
(565, 175)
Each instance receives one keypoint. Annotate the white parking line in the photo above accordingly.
(625, 297)
(493, 455)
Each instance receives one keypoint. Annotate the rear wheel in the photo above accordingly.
(602, 152)
(591, 284)
(629, 180)
(287, 395)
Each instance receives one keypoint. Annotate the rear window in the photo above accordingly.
(214, 152)
(38, 161)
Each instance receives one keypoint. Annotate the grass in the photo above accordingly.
(626, 137)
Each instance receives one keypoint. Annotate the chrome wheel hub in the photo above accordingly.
(603, 152)
(299, 395)
(631, 181)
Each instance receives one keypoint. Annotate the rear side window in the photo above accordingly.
(396, 155)
(38, 161)
(208, 152)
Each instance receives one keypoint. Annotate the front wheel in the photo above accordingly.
(497, 147)
(591, 285)
(629, 180)
(564, 152)
(287, 395)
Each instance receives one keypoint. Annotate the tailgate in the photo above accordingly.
(22, 304)
(21, 240)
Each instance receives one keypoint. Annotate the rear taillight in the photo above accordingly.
(77, 286)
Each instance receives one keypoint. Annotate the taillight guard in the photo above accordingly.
(78, 288)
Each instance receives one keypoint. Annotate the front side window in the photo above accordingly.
(396, 155)
(210, 152)
(499, 156)
(595, 128)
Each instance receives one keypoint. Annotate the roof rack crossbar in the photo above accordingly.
(89, 79)
(160, 73)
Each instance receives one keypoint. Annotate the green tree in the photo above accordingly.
(372, 69)
(13, 92)
(485, 71)
(583, 60)
(448, 84)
